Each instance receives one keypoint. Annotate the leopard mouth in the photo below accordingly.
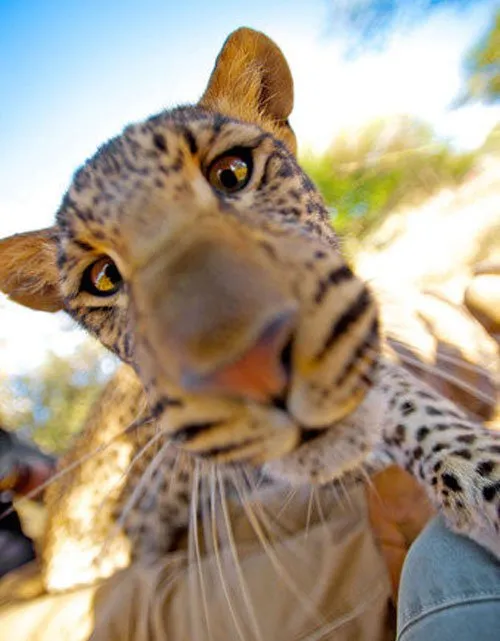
(251, 431)
(280, 402)
(307, 434)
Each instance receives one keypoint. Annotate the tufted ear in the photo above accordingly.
(251, 81)
(28, 270)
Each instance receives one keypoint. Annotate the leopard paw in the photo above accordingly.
(464, 482)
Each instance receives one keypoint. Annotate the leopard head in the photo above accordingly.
(196, 249)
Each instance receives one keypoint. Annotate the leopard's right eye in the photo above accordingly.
(102, 278)
(231, 172)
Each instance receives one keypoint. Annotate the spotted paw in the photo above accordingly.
(455, 459)
(465, 483)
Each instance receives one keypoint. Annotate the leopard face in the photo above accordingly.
(203, 283)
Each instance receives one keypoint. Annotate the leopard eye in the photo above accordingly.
(231, 172)
(102, 278)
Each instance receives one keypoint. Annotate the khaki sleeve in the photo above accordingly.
(325, 580)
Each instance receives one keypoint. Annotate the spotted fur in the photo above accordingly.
(264, 252)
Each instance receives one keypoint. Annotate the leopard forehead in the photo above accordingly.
(162, 157)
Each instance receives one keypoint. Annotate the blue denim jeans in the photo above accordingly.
(450, 589)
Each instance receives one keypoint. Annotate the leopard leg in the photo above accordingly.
(120, 494)
(455, 459)
(157, 507)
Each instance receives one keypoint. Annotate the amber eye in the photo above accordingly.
(102, 278)
(231, 172)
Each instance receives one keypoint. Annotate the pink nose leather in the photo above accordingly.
(258, 373)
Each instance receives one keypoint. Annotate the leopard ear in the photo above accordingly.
(252, 81)
(28, 270)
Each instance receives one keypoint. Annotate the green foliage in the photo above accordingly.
(491, 145)
(483, 67)
(51, 403)
(387, 164)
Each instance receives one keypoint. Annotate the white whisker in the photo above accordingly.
(309, 512)
(329, 627)
(463, 363)
(276, 530)
(280, 569)
(334, 490)
(342, 487)
(367, 478)
(319, 506)
(270, 522)
(195, 542)
(137, 457)
(153, 465)
(68, 469)
(218, 561)
(289, 497)
(234, 552)
(450, 378)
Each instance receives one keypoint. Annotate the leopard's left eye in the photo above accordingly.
(231, 172)
(102, 278)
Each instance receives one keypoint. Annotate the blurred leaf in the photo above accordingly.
(492, 143)
(51, 403)
(386, 164)
(483, 67)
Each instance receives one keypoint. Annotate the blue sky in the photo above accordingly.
(72, 74)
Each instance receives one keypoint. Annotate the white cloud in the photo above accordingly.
(418, 73)
(26, 337)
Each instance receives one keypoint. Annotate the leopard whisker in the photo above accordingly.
(268, 522)
(194, 542)
(319, 506)
(234, 553)
(280, 569)
(216, 547)
(141, 422)
(130, 466)
(448, 358)
(367, 479)
(33, 494)
(179, 459)
(204, 510)
(446, 376)
(335, 492)
(342, 494)
(274, 527)
(309, 512)
(327, 628)
(145, 478)
(450, 378)
(256, 484)
(290, 496)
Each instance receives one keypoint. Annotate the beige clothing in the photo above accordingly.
(322, 580)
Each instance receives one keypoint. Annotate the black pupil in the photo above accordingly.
(111, 272)
(228, 178)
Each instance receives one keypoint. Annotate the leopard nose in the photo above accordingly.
(258, 373)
